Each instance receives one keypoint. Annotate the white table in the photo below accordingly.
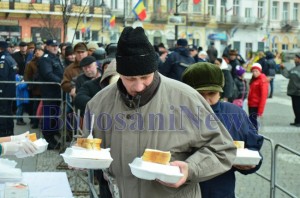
(47, 184)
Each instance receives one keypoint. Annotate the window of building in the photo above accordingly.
(248, 12)
(156, 6)
(156, 40)
(237, 45)
(76, 2)
(197, 8)
(211, 7)
(260, 9)
(171, 43)
(114, 4)
(236, 7)
(196, 42)
(295, 46)
(183, 6)
(77, 35)
(145, 4)
(56, 2)
(92, 3)
(171, 5)
(295, 11)
(37, 1)
(275, 10)
(261, 46)
(249, 49)
(285, 11)
(284, 47)
(95, 36)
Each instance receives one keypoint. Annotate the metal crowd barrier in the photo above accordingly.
(36, 99)
(77, 132)
(277, 186)
(271, 180)
(274, 160)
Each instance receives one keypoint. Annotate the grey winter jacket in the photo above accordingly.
(176, 119)
(294, 82)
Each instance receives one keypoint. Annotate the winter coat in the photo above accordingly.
(90, 88)
(228, 81)
(242, 88)
(176, 62)
(240, 128)
(70, 74)
(21, 61)
(258, 93)
(50, 70)
(293, 88)
(8, 68)
(166, 122)
(21, 91)
(31, 74)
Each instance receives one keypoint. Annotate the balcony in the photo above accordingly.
(199, 18)
(159, 17)
(240, 21)
(287, 25)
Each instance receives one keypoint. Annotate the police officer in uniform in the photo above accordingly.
(7, 73)
(50, 69)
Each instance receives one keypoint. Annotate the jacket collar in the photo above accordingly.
(142, 98)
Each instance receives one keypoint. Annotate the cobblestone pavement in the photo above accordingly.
(274, 125)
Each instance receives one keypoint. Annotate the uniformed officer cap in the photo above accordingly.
(22, 44)
(52, 42)
(3, 44)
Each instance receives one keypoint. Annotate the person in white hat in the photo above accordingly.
(258, 93)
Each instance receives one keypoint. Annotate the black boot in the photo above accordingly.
(53, 144)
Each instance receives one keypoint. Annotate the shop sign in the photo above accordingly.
(218, 36)
(177, 20)
(8, 22)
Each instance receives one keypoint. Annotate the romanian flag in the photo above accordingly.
(139, 10)
(112, 21)
(264, 39)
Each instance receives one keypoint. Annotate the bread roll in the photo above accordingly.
(156, 156)
(32, 137)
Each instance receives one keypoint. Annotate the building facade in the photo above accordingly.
(248, 25)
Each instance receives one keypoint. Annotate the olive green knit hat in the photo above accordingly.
(204, 76)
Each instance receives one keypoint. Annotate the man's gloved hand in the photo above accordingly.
(20, 137)
(25, 147)
(10, 148)
(28, 147)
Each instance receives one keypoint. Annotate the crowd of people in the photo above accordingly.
(146, 96)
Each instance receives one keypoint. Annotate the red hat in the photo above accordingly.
(256, 66)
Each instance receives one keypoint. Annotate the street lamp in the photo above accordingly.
(176, 14)
(103, 6)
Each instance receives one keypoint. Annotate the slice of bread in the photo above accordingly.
(32, 137)
(89, 143)
(156, 156)
(239, 144)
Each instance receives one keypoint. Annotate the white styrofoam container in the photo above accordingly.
(87, 159)
(152, 171)
(41, 145)
(247, 157)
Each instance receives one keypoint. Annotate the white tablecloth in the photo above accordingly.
(47, 184)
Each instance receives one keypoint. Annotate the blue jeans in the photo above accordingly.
(19, 113)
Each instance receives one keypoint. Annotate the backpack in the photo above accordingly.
(271, 67)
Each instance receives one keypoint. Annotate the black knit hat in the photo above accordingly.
(135, 54)
(204, 76)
